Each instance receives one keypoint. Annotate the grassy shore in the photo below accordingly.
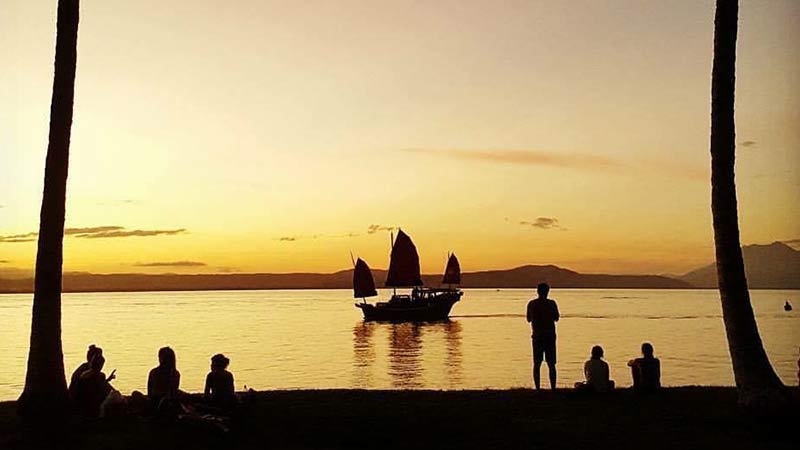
(677, 418)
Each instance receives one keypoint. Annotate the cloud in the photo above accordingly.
(374, 228)
(543, 223)
(748, 144)
(101, 232)
(83, 232)
(131, 233)
(288, 238)
(172, 264)
(4, 261)
(27, 237)
(523, 157)
(315, 236)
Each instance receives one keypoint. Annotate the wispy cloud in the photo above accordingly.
(525, 157)
(172, 264)
(131, 233)
(543, 223)
(299, 237)
(374, 228)
(747, 144)
(101, 232)
(82, 232)
(4, 261)
(26, 237)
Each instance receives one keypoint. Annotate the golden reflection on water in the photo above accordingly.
(405, 352)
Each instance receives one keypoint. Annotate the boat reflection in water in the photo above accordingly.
(418, 354)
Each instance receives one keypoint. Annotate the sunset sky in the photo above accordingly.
(277, 136)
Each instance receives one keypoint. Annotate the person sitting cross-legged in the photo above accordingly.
(596, 372)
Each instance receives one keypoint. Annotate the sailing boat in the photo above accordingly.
(424, 304)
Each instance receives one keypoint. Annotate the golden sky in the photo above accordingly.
(280, 135)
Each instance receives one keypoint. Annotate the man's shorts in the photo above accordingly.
(544, 349)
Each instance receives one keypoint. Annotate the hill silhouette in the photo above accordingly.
(771, 266)
(520, 277)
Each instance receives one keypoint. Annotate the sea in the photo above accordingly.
(316, 339)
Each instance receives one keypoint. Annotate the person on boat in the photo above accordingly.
(646, 371)
(596, 372)
(543, 314)
(92, 388)
(787, 306)
(219, 389)
(164, 381)
(86, 365)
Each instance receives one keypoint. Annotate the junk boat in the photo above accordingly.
(423, 304)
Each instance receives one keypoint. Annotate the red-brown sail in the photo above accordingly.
(363, 284)
(452, 273)
(404, 263)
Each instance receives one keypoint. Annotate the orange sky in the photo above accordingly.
(271, 135)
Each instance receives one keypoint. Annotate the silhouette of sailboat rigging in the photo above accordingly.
(423, 304)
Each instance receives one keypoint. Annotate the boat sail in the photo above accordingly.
(452, 273)
(363, 283)
(423, 304)
(404, 263)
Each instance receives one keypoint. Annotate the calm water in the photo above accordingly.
(316, 339)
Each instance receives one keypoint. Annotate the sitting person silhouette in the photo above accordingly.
(646, 371)
(164, 381)
(596, 372)
(219, 389)
(92, 388)
(90, 353)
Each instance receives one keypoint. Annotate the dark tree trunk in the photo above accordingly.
(45, 393)
(759, 387)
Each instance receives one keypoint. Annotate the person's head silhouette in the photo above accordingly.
(597, 352)
(92, 352)
(219, 362)
(166, 358)
(647, 350)
(543, 289)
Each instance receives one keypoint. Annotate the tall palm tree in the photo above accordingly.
(45, 393)
(758, 385)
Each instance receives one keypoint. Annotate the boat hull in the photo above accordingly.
(435, 309)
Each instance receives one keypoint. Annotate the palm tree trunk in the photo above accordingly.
(45, 393)
(758, 385)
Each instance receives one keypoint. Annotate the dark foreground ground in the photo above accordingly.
(677, 418)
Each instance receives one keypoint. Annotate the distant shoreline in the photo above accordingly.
(532, 288)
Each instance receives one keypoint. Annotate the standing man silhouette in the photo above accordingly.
(543, 315)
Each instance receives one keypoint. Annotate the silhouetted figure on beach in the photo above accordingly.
(92, 388)
(646, 371)
(219, 389)
(90, 354)
(543, 315)
(596, 372)
(164, 380)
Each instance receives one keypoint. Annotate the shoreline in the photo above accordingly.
(678, 417)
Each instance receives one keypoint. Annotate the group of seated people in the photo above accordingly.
(92, 395)
(645, 371)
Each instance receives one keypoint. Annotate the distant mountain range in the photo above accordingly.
(773, 266)
(520, 277)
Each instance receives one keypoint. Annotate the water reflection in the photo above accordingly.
(363, 354)
(405, 353)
